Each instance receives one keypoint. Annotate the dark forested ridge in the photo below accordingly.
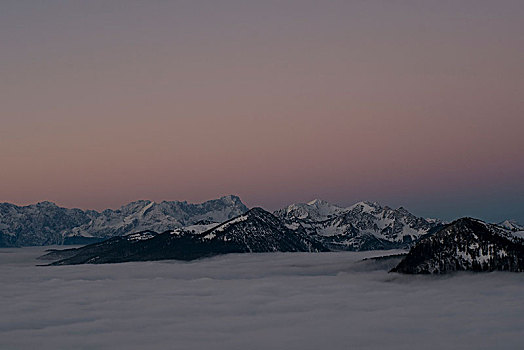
(465, 245)
(256, 231)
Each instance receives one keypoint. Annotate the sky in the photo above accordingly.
(408, 103)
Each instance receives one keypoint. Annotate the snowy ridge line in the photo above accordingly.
(46, 223)
(362, 226)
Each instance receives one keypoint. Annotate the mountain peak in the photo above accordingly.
(231, 198)
(512, 225)
(466, 244)
(139, 202)
(316, 210)
(468, 221)
(362, 226)
(46, 204)
(317, 202)
(258, 211)
(366, 206)
(46, 223)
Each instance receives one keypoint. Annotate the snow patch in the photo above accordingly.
(212, 234)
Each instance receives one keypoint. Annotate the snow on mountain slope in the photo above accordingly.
(465, 245)
(254, 232)
(46, 223)
(38, 224)
(261, 231)
(196, 228)
(511, 225)
(362, 226)
(316, 210)
(159, 217)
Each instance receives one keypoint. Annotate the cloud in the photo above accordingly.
(253, 301)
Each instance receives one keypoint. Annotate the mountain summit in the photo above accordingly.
(466, 245)
(362, 226)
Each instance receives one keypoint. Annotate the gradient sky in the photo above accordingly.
(413, 103)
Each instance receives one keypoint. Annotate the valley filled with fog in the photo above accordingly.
(254, 301)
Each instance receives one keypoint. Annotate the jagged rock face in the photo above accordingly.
(45, 223)
(465, 245)
(363, 226)
(38, 224)
(256, 231)
(160, 217)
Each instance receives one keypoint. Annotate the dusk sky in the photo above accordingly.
(409, 103)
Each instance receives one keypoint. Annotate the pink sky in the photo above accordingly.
(417, 104)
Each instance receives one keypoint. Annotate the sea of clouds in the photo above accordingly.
(254, 301)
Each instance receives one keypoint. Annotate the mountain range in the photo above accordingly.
(319, 225)
(362, 226)
(256, 231)
(46, 223)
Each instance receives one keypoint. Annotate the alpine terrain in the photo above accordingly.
(362, 226)
(255, 231)
(466, 245)
(46, 223)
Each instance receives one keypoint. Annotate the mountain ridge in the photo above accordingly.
(362, 226)
(45, 223)
(256, 231)
(466, 244)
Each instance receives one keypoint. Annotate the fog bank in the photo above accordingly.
(253, 301)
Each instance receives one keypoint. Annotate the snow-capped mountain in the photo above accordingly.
(261, 231)
(253, 232)
(362, 226)
(45, 223)
(315, 211)
(512, 225)
(39, 224)
(160, 217)
(466, 245)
